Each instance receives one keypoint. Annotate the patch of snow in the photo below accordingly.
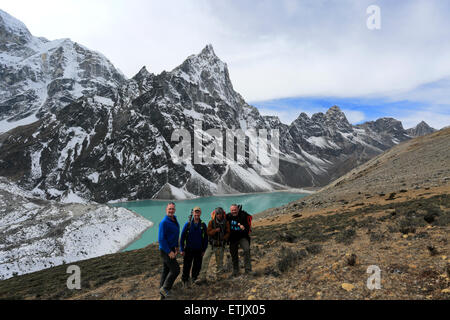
(251, 178)
(317, 165)
(243, 124)
(180, 194)
(110, 125)
(36, 170)
(12, 24)
(5, 125)
(105, 101)
(203, 105)
(54, 192)
(323, 143)
(93, 177)
(74, 144)
(71, 197)
(118, 201)
(193, 114)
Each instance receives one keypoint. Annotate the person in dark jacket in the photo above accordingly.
(193, 244)
(239, 237)
(218, 234)
(168, 237)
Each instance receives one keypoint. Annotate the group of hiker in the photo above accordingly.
(198, 243)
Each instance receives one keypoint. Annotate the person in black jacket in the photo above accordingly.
(193, 244)
(239, 236)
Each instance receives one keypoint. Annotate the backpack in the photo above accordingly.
(214, 225)
(249, 218)
(202, 225)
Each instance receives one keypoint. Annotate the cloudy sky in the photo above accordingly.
(284, 56)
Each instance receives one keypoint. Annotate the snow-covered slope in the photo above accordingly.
(37, 234)
(39, 76)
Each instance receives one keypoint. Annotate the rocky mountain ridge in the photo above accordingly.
(41, 76)
(420, 130)
(115, 143)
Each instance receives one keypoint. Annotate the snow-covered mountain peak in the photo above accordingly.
(203, 66)
(273, 121)
(9, 24)
(334, 110)
(335, 116)
(318, 117)
(210, 73)
(143, 73)
(40, 76)
(208, 52)
(302, 117)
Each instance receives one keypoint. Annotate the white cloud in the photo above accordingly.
(286, 117)
(354, 116)
(433, 119)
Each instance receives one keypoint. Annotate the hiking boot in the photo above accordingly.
(250, 273)
(164, 293)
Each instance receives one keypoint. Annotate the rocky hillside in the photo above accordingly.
(404, 171)
(39, 76)
(37, 234)
(316, 248)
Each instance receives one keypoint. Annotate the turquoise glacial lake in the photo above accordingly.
(155, 210)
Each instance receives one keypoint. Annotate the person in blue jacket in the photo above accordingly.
(168, 237)
(193, 244)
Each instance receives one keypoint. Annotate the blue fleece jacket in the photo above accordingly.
(168, 234)
(194, 239)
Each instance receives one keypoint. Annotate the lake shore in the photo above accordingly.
(138, 237)
(154, 211)
(307, 190)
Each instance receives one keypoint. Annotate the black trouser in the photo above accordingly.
(192, 258)
(244, 243)
(170, 271)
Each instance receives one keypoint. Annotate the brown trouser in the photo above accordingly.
(218, 253)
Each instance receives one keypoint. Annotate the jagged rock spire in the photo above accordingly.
(143, 73)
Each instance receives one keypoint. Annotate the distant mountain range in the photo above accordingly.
(81, 131)
(421, 129)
